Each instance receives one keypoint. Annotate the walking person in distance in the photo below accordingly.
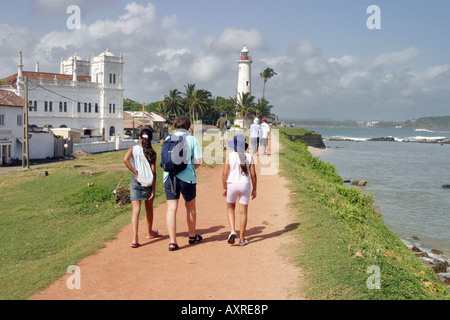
(265, 135)
(222, 125)
(140, 190)
(255, 135)
(239, 181)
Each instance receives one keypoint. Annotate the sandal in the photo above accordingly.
(135, 245)
(173, 247)
(154, 234)
(197, 238)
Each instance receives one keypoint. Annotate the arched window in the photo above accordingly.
(112, 131)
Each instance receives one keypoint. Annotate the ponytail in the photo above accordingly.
(242, 161)
(146, 138)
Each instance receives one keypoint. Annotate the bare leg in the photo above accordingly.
(136, 210)
(191, 215)
(231, 217)
(243, 213)
(172, 207)
(149, 210)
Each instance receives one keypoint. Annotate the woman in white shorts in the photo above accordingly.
(239, 175)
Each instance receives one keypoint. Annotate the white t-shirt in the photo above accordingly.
(236, 175)
(265, 129)
(255, 131)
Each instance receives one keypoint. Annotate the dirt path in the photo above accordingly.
(210, 270)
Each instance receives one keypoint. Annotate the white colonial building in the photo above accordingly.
(85, 97)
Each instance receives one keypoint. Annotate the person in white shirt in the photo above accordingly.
(265, 135)
(255, 135)
(239, 175)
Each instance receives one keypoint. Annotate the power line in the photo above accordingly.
(68, 98)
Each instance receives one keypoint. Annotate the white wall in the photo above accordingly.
(105, 146)
(42, 145)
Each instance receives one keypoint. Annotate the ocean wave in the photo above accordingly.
(406, 139)
(423, 130)
(342, 138)
(421, 138)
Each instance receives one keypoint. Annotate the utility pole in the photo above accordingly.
(143, 115)
(25, 144)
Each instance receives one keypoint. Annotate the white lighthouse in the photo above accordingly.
(245, 74)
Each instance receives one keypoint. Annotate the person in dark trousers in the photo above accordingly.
(185, 184)
(222, 125)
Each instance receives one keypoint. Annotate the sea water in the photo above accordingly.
(405, 178)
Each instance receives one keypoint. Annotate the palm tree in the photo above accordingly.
(161, 109)
(173, 103)
(266, 75)
(245, 106)
(198, 102)
(263, 108)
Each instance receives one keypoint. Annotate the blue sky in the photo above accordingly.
(329, 64)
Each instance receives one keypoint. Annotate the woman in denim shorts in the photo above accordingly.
(138, 193)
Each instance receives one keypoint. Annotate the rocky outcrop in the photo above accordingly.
(359, 183)
(390, 139)
(312, 140)
(438, 265)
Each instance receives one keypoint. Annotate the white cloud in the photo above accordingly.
(345, 61)
(161, 54)
(349, 78)
(232, 40)
(304, 48)
(206, 68)
(396, 57)
(316, 66)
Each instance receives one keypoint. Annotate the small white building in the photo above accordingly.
(11, 113)
(41, 144)
(87, 95)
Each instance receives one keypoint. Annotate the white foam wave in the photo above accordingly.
(418, 138)
(423, 130)
(347, 138)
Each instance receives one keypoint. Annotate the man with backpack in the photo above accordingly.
(223, 124)
(181, 155)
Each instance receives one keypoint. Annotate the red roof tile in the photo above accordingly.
(10, 99)
(12, 80)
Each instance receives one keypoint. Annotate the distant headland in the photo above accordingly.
(430, 123)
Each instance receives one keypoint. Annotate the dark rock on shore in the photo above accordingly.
(390, 139)
(446, 186)
(359, 183)
(312, 140)
(438, 266)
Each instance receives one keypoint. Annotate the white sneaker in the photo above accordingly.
(243, 243)
(232, 237)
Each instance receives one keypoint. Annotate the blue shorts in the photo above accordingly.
(188, 190)
(138, 192)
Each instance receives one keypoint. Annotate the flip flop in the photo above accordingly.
(155, 233)
(135, 245)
